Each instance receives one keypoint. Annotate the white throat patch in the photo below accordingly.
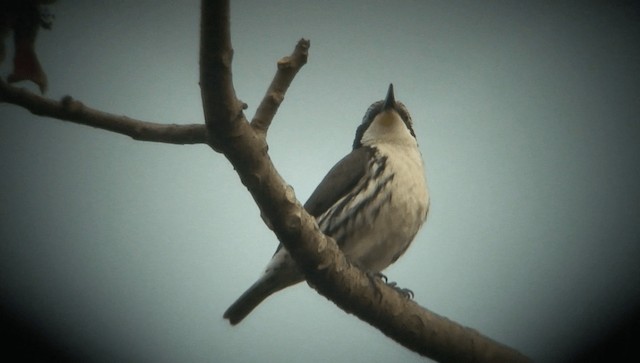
(388, 127)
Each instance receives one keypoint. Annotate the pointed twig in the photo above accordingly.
(288, 67)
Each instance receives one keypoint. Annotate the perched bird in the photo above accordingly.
(372, 202)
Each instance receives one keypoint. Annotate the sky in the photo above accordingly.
(526, 114)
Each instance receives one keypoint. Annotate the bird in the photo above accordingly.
(372, 203)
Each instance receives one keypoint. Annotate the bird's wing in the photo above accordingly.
(339, 181)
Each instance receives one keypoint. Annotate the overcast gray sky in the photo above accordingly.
(526, 114)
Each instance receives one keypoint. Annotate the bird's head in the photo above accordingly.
(386, 121)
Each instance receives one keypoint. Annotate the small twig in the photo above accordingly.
(74, 111)
(288, 67)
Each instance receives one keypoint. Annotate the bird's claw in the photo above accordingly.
(406, 293)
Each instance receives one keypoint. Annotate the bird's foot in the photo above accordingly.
(406, 293)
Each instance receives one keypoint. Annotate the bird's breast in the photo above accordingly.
(375, 224)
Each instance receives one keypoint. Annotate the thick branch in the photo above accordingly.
(288, 67)
(71, 110)
(400, 318)
(216, 85)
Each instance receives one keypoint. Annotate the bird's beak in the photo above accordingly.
(390, 100)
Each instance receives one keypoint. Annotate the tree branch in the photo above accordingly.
(71, 110)
(288, 67)
(222, 109)
(325, 267)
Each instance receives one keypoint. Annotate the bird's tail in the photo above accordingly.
(260, 290)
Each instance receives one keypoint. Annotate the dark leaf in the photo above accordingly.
(24, 18)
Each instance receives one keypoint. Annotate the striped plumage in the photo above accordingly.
(372, 202)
